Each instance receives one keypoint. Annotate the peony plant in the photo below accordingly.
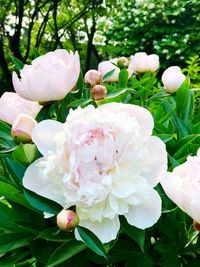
(89, 172)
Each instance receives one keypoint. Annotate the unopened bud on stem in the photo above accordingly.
(122, 62)
(22, 128)
(93, 77)
(98, 92)
(67, 220)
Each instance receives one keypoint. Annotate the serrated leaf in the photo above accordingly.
(92, 241)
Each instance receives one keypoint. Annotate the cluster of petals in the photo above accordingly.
(50, 77)
(12, 105)
(182, 186)
(105, 162)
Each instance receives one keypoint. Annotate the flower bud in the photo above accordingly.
(172, 79)
(22, 128)
(67, 220)
(98, 92)
(141, 62)
(93, 77)
(122, 62)
(196, 225)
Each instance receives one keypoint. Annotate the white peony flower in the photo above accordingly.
(182, 186)
(105, 162)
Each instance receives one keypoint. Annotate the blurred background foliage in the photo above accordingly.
(100, 30)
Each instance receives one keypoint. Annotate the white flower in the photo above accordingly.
(183, 186)
(172, 79)
(49, 77)
(105, 162)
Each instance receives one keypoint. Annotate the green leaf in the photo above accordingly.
(182, 98)
(92, 241)
(136, 234)
(79, 102)
(166, 137)
(11, 241)
(44, 113)
(123, 78)
(16, 170)
(64, 252)
(42, 203)
(26, 153)
(117, 93)
(108, 75)
(11, 193)
(55, 234)
(18, 64)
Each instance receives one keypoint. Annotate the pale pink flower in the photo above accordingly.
(12, 105)
(93, 77)
(141, 62)
(104, 162)
(22, 128)
(172, 79)
(49, 77)
(182, 186)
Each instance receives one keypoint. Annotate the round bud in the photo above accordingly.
(122, 62)
(22, 128)
(93, 77)
(196, 225)
(67, 220)
(98, 92)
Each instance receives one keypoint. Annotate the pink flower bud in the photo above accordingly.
(196, 225)
(122, 62)
(172, 79)
(98, 92)
(93, 77)
(67, 220)
(22, 128)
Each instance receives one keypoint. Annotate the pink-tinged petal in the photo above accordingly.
(19, 87)
(172, 185)
(154, 161)
(147, 213)
(44, 135)
(142, 115)
(106, 230)
(49, 186)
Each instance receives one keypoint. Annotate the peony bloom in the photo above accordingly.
(141, 62)
(13, 105)
(182, 186)
(49, 77)
(22, 128)
(106, 66)
(93, 77)
(172, 79)
(104, 162)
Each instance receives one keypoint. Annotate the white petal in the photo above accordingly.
(106, 230)
(142, 115)
(43, 135)
(147, 213)
(19, 87)
(37, 181)
(154, 161)
(172, 185)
